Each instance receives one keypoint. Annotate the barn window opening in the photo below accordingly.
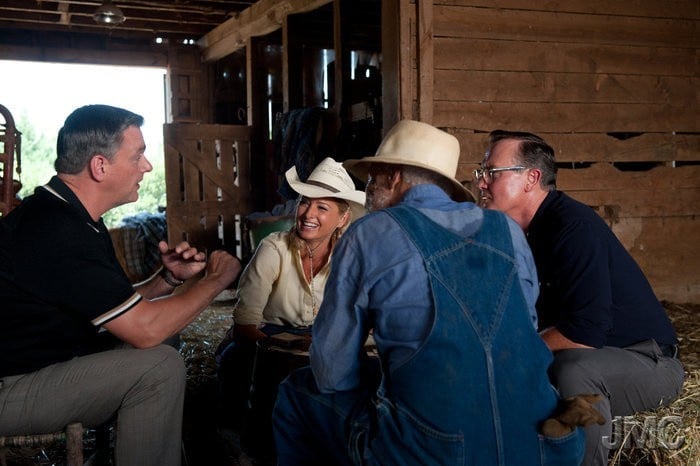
(41, 95)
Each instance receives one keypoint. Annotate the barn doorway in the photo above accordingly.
(40, 95)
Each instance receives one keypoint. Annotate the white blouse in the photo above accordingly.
(273, 288)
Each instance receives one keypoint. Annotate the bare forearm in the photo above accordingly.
(556, 341)
(155, 287)
(152, 321)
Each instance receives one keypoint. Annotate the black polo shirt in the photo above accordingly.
(59, 282)
(591, 289)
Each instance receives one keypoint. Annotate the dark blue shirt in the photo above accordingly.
(591, 289)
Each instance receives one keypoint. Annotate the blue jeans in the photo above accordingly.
(326, 432)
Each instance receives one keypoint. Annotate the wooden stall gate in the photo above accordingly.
(207, 184)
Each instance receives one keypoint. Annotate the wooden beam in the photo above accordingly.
(256, 91)
(391, 59)
(292, 63)
(285, 64)
(90, 56)
(339, 58)
(250, 89)
(426, 51)
(407, 83)
(260, 19)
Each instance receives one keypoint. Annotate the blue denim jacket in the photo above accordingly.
(376, 281)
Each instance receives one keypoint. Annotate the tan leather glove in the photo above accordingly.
(572, 412)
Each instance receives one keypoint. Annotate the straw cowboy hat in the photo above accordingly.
(329, 179)
(419, 145)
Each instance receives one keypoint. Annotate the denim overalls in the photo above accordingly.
(477, 390)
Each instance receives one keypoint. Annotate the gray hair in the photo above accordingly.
(414, 176)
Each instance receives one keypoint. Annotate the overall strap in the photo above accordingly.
(422, 230)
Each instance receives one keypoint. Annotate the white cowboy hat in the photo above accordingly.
(419, 145)
(329, 179)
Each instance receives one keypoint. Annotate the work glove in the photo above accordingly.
(576, 411)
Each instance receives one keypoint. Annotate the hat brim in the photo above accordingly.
(360, 169)
(356, 199)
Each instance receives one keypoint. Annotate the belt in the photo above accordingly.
(670, 351)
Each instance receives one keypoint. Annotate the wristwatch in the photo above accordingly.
(169, 278)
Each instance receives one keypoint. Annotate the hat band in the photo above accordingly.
(323, 185)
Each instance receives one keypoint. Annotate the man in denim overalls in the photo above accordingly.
(447, 291)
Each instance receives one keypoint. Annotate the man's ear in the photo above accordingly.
(397, 187)
(97, 167)
(534, 175)
(395, 179)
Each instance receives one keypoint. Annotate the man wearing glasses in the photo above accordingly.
(596, 309)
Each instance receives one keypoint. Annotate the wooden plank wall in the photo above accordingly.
(207, 184)
(612, 86)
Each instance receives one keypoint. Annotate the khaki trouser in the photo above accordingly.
(143, 388)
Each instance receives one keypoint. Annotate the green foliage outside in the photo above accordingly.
(38, 153)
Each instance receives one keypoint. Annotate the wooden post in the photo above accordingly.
(391, 61)
(292, 63)
(339, 56)
(257, 116)
(285, 65)
(74, 444)
(425, 62)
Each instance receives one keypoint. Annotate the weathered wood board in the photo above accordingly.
(612, 86)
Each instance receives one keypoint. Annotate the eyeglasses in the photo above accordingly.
(487, 173)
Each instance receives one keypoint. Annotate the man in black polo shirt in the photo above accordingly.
(596, 309)
(78, 342)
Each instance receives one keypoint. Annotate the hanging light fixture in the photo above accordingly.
(108, 13)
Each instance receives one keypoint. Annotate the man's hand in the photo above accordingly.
(183, 261)
(555, 340)
(576, 411)
(223, 267)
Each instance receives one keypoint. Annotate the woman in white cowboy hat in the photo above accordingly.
(282, 286)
